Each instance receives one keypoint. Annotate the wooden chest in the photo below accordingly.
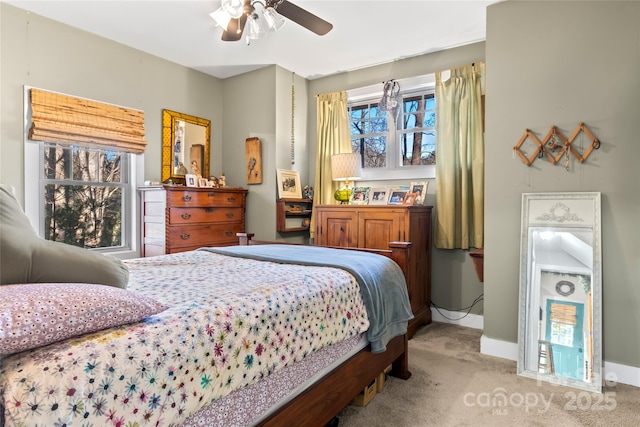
(197, 217)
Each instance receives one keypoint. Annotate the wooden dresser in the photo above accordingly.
(365, 226)
(178, 218)
(197, 217)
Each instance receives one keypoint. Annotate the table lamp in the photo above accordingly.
(345, 167)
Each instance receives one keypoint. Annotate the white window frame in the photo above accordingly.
(34, 197)
(394, 170)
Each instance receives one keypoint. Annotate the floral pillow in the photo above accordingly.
(33, 315)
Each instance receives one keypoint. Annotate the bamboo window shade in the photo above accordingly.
(564, 314)
(70, 120)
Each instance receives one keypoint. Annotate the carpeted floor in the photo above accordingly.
(452, 384)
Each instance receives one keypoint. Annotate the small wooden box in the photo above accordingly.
(382, 378)
(366, 395)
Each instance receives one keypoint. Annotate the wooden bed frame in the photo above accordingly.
(320, 403)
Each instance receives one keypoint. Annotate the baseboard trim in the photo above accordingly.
(613, 372)
(469, 320)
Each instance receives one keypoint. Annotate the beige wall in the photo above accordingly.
(563, 63)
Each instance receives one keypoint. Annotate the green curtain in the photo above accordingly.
(459, 222)
(333, 138)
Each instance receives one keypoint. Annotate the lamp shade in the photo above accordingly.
(345, 167)
(221, 17)
(274, 21)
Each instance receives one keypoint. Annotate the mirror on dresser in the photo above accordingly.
(186, 143)
(560, 325)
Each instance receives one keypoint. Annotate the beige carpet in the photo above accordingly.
(452, 384)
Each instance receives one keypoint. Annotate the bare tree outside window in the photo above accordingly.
(413, 137)
(84, 192)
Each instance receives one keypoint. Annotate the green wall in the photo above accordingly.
(563, 63)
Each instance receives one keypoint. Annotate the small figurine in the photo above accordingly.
(194, 168)
(222, 181)
(307, 192)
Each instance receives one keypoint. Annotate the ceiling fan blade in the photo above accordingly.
(302, 17)
(234, 29)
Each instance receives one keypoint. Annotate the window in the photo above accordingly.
(81, 171)
(85, 193)
(417, 134)
(401, 149)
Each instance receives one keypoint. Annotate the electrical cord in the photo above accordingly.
(468, 309)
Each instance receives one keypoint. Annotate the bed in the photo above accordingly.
(214, 342)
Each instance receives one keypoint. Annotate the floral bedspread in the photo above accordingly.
(232, 322)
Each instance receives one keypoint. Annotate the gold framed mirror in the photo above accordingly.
(186, 144)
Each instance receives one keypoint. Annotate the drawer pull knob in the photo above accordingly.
(209, 210)
(230, 215)
(229, 233)
(211, 194)
(186, 198)
(186, 215)
(231, 199)
(185, 236)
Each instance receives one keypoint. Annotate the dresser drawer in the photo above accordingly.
(196, 215)
(203, 235)
(186, 198)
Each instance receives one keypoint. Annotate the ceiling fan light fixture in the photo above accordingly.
(235, 8)
(255, 27)
(221, 18)
(273, 20)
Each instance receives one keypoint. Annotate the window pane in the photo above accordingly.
(418, 148)
(84, 189)
(82, 215)
(57, 162)
(86, 164)
(373, 149)
(368, 134)
(110, 162)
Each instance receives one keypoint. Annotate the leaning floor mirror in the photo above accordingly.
(560, 325)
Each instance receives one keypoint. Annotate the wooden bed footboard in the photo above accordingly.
(317, 405)
(399, 251)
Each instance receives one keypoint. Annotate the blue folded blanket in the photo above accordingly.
(382, 283)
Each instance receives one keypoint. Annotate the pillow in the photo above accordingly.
(37, 314)
(26, 258)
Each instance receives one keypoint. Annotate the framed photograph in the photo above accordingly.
(421, 189)
(378, 196)
(203, 182)
(191, 180)
(396, 196)
(289, 184)
(410, 199)
(359, 196)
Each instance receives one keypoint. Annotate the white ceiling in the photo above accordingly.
(364, 33)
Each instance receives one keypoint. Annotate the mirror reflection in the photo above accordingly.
(560, 334)
(185, 146)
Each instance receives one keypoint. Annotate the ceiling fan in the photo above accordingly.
(233, 16)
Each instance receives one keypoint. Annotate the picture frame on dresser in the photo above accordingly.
(410, 199)
(379, 196)
(396, 196)
(420, 188)
(359, 196)
(191, 180)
